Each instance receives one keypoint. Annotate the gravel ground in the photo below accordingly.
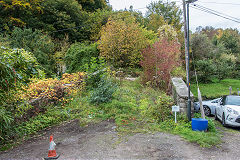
(101, 141)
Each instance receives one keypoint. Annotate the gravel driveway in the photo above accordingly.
(101, 141)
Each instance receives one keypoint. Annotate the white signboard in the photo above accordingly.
(175, 108)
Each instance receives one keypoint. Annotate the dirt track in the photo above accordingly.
(100, 141)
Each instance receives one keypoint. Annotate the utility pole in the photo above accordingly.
(186, 39)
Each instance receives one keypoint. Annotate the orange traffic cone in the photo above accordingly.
(51, 151)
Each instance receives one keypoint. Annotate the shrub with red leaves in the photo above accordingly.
(158, 61)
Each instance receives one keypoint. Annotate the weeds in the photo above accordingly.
(141, 109)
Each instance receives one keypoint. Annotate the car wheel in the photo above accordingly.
(207, 110)
(223, 120)
(216, 118)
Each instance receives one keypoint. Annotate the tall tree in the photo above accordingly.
(61, 17)
(170, 12)
(36, 42)
(208, 30)
(57, 17)
(161, 13)
(93, 5)
(122, 40)
(15, 12)
(97, 20)
(230, 38)
(154, 21)
(138, 16)
(202, 47)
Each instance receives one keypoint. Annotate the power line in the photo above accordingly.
(234, 4)
(207, 11)
(216, 14)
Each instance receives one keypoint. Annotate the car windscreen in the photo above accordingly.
(233, 100)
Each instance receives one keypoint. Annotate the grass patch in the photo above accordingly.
(217, 89)
(204, 139)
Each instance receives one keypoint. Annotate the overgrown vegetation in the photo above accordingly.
(80, 54)
(216, 54)
(17, 68)
(122, 40)
(33, 106)
(149, 110)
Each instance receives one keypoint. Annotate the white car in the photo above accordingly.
(228, 111)
(208, 106)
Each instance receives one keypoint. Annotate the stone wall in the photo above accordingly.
(180, 94)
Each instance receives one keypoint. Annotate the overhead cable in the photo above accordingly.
(234, 4)
(215, 13)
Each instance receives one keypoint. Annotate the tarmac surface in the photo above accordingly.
(101, 142)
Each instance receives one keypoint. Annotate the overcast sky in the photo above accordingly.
(197, 18)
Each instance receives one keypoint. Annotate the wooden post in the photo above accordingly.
(200, 103)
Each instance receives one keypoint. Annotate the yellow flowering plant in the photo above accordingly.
(48, 91)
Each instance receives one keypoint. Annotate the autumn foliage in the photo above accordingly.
(158, 61)
(122, 41)
(50, 90)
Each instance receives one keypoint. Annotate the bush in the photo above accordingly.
(78, 55)
(178, 72)
(104, 91)
(74, 80)
(44, 92)
(47, 91)
(5, 122)
(211, 125)
(36, 42)
(96, 69)
(34, 110)
(161, 111)
(26, 68)
(220, 68)
(158, 62)
(205, 70)
(225, 66)
(17, 67)
(98, 81)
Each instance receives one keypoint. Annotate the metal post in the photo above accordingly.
(186, 36)
(189, 96)
(175, 117)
